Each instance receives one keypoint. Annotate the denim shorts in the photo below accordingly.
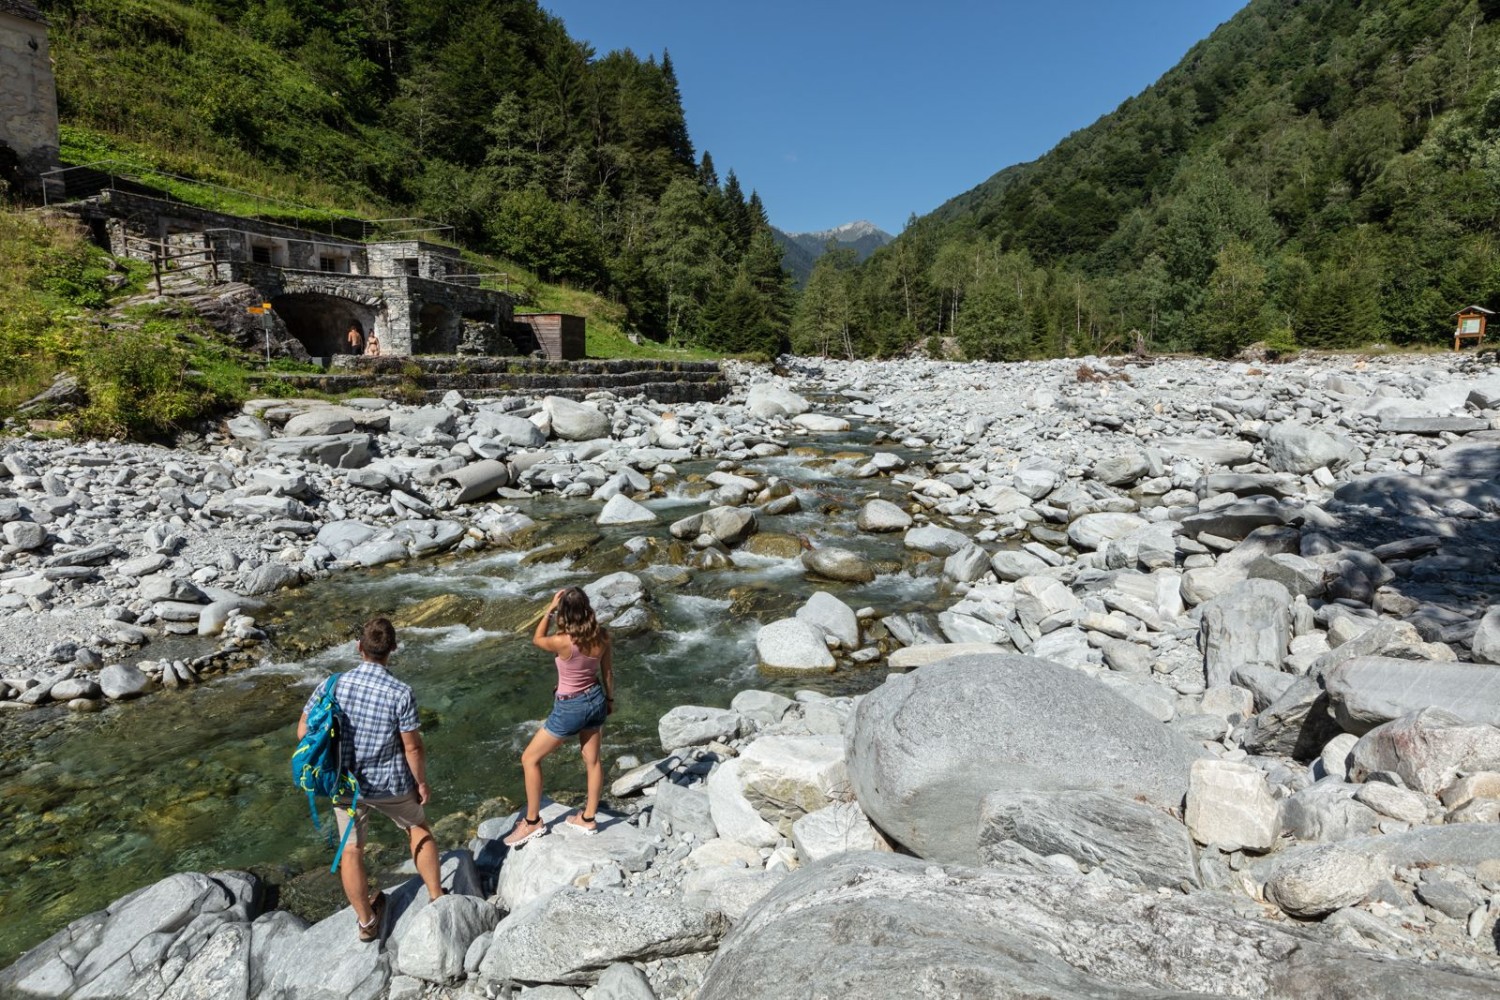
(574, 715)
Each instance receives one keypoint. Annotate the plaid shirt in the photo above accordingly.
(380, 708)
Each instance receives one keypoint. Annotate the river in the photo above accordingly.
(199, 779)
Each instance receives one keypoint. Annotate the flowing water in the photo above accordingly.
(199, 779)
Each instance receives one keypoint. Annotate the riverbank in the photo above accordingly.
(1270, 590)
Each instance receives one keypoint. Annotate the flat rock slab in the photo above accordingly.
(888, 927)
(1367, 691)
(911, 657)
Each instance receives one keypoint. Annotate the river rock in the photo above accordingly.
(1427, 749)
(1092, 531)
(123, 680)
(1326, 812)
(1292, 448)
(821, 423)
(734, 816)
(684, 809)
(623, 981)
(1130, 840)
(572, 935)
(1121, 470)
(425, 420)
(573, 421)
(319, 421)
(767, 400)
(517, 432)
(729, 525)
(434, 945)
(1229, 804)
(888, 927)
(1038, 598)
(935, 540)
(837, 564)
(1323, 880)
(925, 747)
(341, 451)
(881, 516)
(1250, 626)
(270, 577)
(833, 829)
(25, 535)
(562, 858)
(691, 725)
(620, 509)
(1297, 723)
(1367, 691)
(784, 777)
(1013, 564)
(793, 644)
(833, 617)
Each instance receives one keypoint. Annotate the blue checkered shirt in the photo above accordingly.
(380, 708)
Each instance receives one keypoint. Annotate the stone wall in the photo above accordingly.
(28, 94)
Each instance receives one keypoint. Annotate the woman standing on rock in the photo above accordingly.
(584, 697)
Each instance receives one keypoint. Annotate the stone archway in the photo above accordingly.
(321, 322)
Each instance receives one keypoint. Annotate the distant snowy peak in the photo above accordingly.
(848, 233)
(801, 250)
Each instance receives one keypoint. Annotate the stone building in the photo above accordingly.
(417, 297)
(28, 93)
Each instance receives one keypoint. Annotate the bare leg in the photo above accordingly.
(356, 881)
(542, 744)
(589, 742)
(425, 853)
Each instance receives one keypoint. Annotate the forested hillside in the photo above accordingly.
(480, 113)
(1317, 172)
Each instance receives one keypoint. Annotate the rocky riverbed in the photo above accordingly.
(1212, 710)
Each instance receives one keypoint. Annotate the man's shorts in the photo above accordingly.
(403, 810)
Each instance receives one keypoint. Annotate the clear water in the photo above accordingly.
(97, 805)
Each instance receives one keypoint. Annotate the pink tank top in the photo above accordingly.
(576, 672)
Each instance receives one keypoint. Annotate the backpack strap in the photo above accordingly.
(338, 855)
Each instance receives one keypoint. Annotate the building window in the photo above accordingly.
(328, 264)
(409, 266)
(260, 253)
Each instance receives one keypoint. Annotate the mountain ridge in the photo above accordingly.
(802, 250)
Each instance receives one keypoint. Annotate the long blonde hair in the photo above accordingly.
(575, 617)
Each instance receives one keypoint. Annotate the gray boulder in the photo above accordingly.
(1326, 812)
(690, 725)
(766, 400)
(434, 945)
(837, 564)
(882, 515)
(1427, 749)
(571, 936)
(341, 451)
(793, 644)
(833, 616)
(685, 809)
(926, 747)
(1250, 626)
(573, 421)
(423, 420)
(320, 420)
(1135, 842)
(1229, 804)
(888, 927)
(269, 577)
(834, 829)
(123, 680)
(506, 428)
(620, 509)
(1367, 691)
(1293, 448)
(935, 540)
(1121, 470)
(623, 981)
(1324, 880)
(1297, 723)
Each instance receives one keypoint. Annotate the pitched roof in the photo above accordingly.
(22, 9)
(1465, 309)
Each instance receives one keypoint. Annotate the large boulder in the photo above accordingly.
(573, 421)
(1427, 748)
(561, 859)
(888, 927)
(792, 644)
(841, 565)
(1324, 880)
(1366, 691)
(507, 428)
(786, 777)
(832, 830)
(433, 947)
(1293, 448)
(882, 515)
(833, 617)
(1250, 626)
(766, 400)
(926, 747)
(935, 540)
(341, 451)
(1132, 841)
(734, 815)
(690, 725)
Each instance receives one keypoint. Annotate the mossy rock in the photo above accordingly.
(436, 612)
(774, 545)
(850, 456)
(510, 614)
(764, 603)
(570, 546)
(805, 451)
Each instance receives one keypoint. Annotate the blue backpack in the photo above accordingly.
(317, 763)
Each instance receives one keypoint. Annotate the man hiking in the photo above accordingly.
(382, 748)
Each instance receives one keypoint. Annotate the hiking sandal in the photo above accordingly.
(525, 830)
(371, 931)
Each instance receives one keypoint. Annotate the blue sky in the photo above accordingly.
(837, 110)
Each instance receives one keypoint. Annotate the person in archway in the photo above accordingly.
(585, 697)
(372, 345)
(355, 339)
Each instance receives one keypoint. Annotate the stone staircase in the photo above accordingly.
(430, 377)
